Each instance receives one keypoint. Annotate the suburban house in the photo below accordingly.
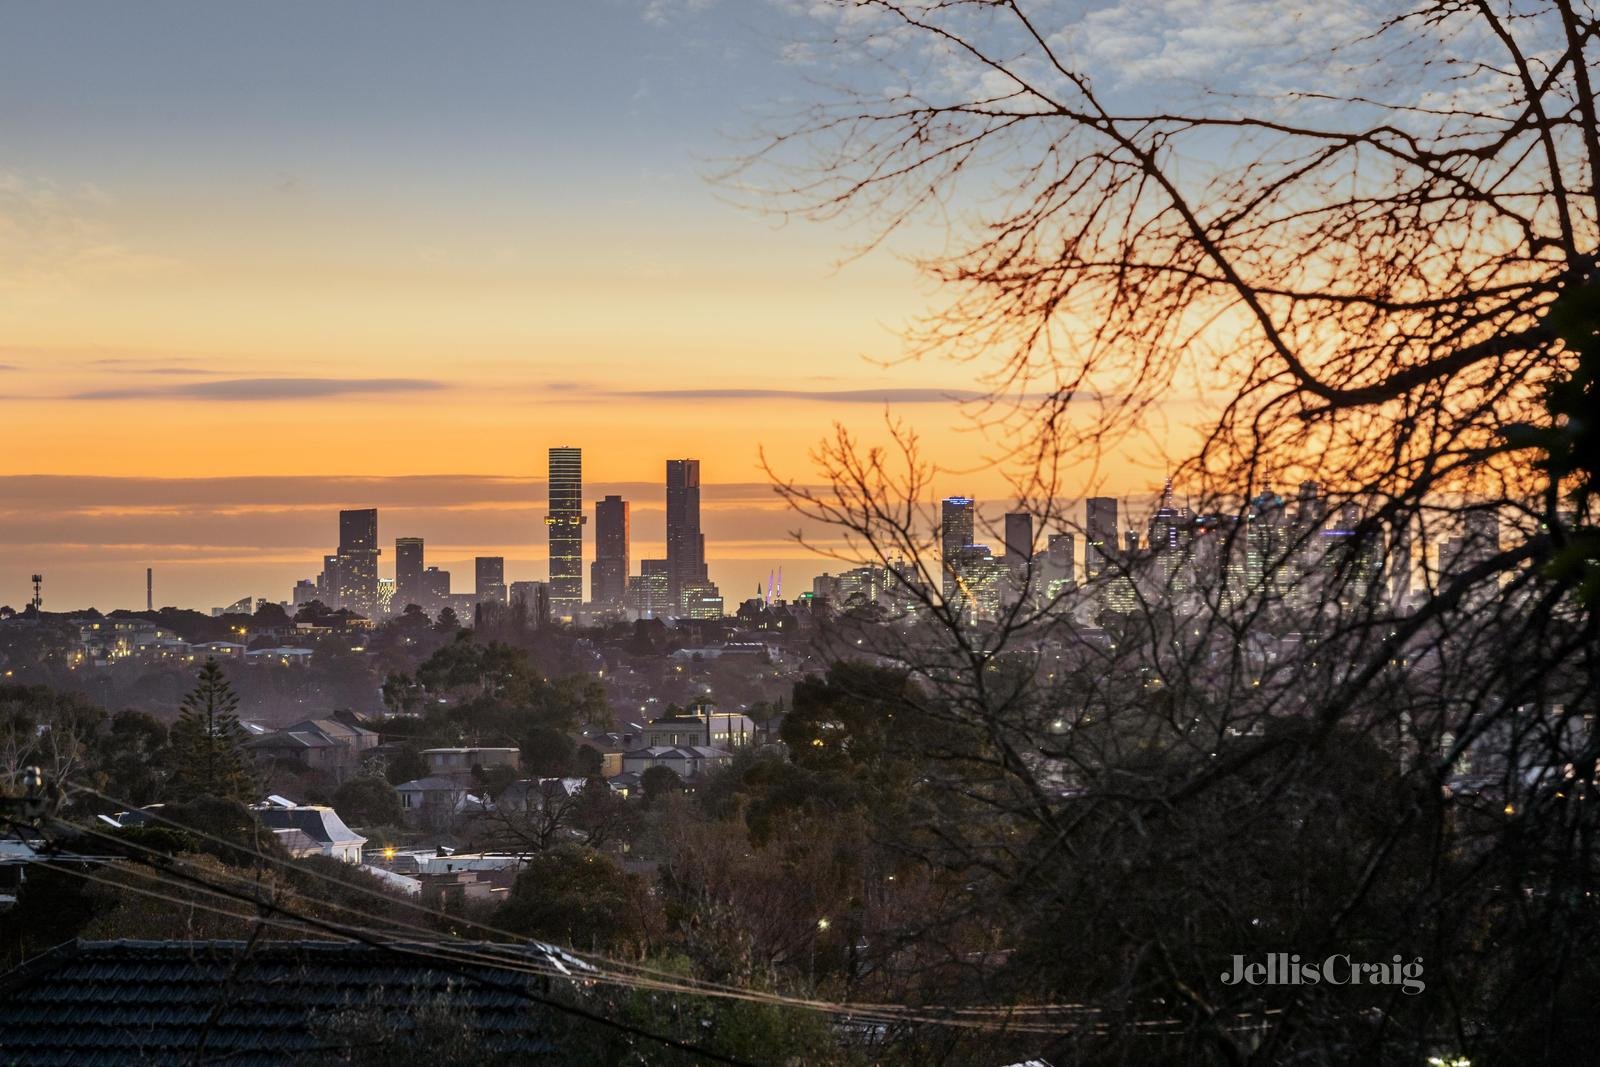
(689, 761)
(700, 725)
(458, 762)
(533, 794)
(310, 830)
(435, 802)
(333, 746)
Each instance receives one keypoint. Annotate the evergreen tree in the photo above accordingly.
(208, 743)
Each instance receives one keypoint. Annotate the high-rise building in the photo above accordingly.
(686, 545)
(1019, 539)
(407, 572)
(650, 594)
(1169, 542)
(565, 524)
(1060, 565)
(608, 575)
(489, 574)
(955, 535)
(1100, 535)
(1265, 540)
(358, 560)
(435, 588)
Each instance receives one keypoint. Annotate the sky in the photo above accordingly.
(260, 262)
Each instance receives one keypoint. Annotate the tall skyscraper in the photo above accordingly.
(358, 560)
(565, 524)
(955, 534)
(1099, 535)
(1019, 539)
(686, 545)
(489, 573)
(407, 572)
(608, 575)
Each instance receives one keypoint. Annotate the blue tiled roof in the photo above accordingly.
(91, 1004)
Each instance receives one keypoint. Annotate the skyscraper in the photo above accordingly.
(1060, 565)
(686, 545)
(489, 573)
(955, 534)
(358, 560)
(1099, 535)
(407, 572)
(565, 525)
(1019, 539)
(608, 576)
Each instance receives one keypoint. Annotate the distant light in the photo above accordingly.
(823, 924)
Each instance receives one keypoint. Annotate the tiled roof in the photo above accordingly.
(92, 1004)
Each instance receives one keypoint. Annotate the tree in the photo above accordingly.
(1372, 258)
(578, 897)
(208, 742)
(658, 782)
(368, 801)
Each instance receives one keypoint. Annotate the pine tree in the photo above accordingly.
(208, 742)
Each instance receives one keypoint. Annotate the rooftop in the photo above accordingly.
(94, 1003)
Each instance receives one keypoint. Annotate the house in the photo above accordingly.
(264, 1003)
(689, 761)
(700, 725)
(286, 656)
(458, 762)
(532, 794)
(436, 802)
(310, 830)
(333, 746)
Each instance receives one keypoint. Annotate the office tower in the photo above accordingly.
(608, 575)
(1100, 535)
(489, 573)
(686, 545)
(358, 560)
(305, 591)
(981, 582)
(1266, 536)
(1169, 542)
(1477, 543)
(650, 594)
(565, 523)
(1311, 507)
(955, 534)
(1060, 565)
(435, 585)
(1130, 540)
(407, 572)
(1019, 539)
(329, 582)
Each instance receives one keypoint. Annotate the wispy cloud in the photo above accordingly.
(823, 396)
(258, 389)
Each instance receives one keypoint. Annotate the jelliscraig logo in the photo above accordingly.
(1285, 968)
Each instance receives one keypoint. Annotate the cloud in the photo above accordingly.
(257, 389)
(823, 396)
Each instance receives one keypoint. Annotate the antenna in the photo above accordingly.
(38, 601)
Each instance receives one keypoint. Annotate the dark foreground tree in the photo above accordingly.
(1364, 262)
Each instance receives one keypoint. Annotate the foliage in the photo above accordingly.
(208, 742)
(367, 801)
(578, 897)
